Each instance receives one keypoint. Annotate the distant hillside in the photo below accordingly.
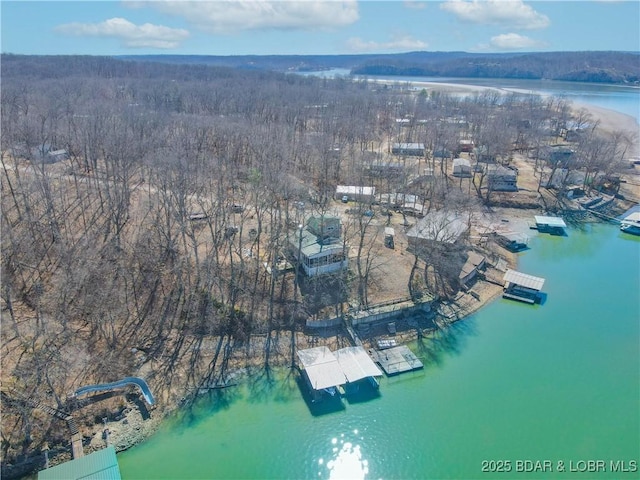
(600, 67)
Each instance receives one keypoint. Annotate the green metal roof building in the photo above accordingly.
(100, 465)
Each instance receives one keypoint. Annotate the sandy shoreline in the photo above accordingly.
(609, 120)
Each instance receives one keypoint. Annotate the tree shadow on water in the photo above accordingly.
(444, 342)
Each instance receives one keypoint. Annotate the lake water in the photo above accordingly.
(621, 98)
(558, 382)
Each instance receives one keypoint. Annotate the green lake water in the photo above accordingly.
(557, 382)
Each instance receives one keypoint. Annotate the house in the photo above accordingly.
(461, 167)
(385, 169)
(465, 145)
(356, 193)
(442, 153)
(410, 149)
(318, 248)
(559, 155)
(482, 154)
(437, 227)
(502, 179)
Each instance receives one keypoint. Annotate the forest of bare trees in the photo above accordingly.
(142, 203)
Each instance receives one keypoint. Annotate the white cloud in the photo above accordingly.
(130, 34)
(513, 41)
(513, 13)
(230, 16)
(397, 44)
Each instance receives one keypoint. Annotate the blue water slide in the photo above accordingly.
(140, 383)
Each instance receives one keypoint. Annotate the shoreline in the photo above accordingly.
(132, 429)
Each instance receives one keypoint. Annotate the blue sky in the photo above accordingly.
(262, 27)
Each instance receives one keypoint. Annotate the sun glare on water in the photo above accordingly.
(347, 461)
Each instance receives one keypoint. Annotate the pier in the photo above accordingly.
(396, 360)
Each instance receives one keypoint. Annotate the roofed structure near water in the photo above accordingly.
(524, 279)
(100, 465)
(553, 225)
(356, 364)
(321, 367)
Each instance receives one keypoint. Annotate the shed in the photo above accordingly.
(461, 167)
(473, 264)
(100, 465)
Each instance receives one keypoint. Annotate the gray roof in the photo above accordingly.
(523, 279)
(356, 363)
(312, 245)
(550, 221)
(100, 465)
(322, 367)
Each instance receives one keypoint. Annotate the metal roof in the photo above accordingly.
(550, 221)
(322, 367)
(100, 465)
(356, 364)
(524, 279)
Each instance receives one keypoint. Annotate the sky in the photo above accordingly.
(310, 27)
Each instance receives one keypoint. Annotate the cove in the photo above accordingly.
(551, 383)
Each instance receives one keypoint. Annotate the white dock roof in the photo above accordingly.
(550, 221)
(356, 364)
(524, 279)
(322, 367)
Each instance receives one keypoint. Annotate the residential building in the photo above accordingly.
(502, 179)
(318, 247)
(410, 149)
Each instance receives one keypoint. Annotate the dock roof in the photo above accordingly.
(524, 279)
(356, 364)
(100, 465)
(550, 221)
(322, 367)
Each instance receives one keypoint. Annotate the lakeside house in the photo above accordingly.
(318, 247)
(385, 169)
(356, 193)
(409, 149)
(502, 179)
(461, 168)
(437, 227)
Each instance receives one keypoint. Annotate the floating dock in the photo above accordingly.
(396, 360)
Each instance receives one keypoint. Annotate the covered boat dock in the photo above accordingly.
(522, 287)
(325, 371)
(552, 225)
